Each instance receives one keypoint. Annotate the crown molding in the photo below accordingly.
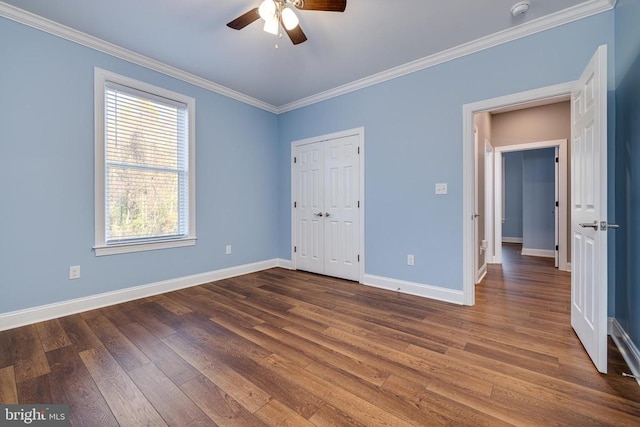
(38, 22)
(557, 19)
(562, 17)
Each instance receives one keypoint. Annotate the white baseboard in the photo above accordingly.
(481, 273)
(627, 348)
(285, 263)
(511, 239)
(28, 316)
(419, 289)
(545, 253)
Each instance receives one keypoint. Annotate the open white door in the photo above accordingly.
(589, 208)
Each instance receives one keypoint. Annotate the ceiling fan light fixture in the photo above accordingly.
(267, 10)
(271, 26)
(289, 18)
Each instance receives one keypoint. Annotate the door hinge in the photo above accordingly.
(358, 203)
(295, 249)
(358, 257)
(557, 204)
(557, 160)
(358, 150)
(557, 248)
(295, 204)
(295, 160)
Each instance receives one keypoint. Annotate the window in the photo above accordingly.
(144, 166)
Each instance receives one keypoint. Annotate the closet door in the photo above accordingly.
(341, 231)
(310, 207)
(326, 189)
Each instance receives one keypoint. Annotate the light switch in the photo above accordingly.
(441, 188)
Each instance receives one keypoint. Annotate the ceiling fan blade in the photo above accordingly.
(243, 20)
(325, 5)
(296, 35)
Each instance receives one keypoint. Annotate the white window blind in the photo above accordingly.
(146, 174)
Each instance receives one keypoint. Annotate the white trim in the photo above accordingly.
(544, 253)
(67, 33)
(141, 247)
(468, 110)
(28, 316)
(361, 158)
(563, 198)
(610, 326)
(481, 273)
(100, 244)
(580, 11)
(628, 349)
(285, 263)
(418, 289)
(511, 239)
(489, 154)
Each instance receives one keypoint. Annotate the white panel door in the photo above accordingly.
(589, 208)
(310, 207)
(341, 207)
(326, 213)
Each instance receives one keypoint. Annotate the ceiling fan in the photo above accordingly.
(279, 13)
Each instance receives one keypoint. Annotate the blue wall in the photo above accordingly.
(538, 199)
(512, 225)
(413, 134)
(47, 155)
(627, 159)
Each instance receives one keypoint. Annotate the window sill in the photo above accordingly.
(144, 246)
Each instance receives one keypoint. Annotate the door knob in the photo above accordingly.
(594, 225)
(327, 214)
(318, 214)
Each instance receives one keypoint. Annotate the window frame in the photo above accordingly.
(101, 246)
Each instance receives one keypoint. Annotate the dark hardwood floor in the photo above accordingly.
(289, 348)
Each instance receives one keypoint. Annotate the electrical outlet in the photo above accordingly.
(74, 272)
(441, 188)
(410, 260)
(227, 250)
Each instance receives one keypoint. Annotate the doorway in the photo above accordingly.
(560, 249)
(588, 198)
(327, 191)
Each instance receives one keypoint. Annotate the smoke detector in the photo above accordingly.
(520, 7)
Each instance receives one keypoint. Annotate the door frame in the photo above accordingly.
(559, 91)
(359, 132)
(560, 184)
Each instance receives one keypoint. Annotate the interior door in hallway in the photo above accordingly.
(589, 209)
(327, 207)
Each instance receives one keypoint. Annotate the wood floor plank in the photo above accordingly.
(221, 407)
(172, 404)
(79, 333)
(39, 390)
(172, 365)
(51, 334)
(275, 413)
(8, 388)
(123, 350)
(71, 379)
(248, 394)
(31, 361)
(127, 402)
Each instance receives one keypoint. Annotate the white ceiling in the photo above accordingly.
(370, 37)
